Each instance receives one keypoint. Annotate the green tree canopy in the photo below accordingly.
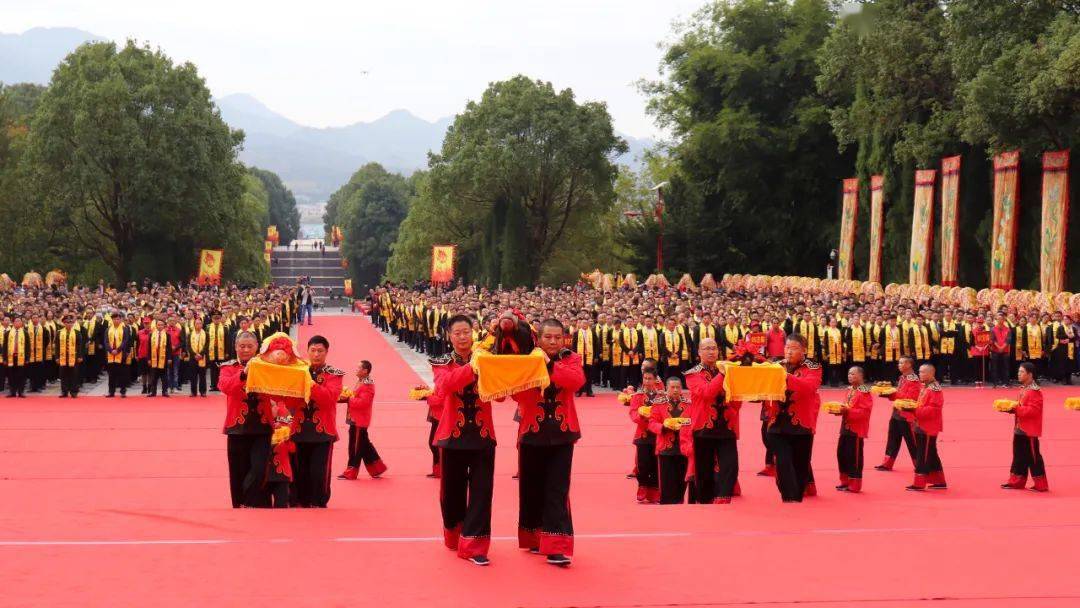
(283, 211)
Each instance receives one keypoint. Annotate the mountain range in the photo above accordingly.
(313, 162)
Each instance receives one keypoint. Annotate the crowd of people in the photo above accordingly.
(158, 337)
(667, 350)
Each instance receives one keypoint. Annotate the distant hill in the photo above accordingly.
(312, 162)
(32, 55)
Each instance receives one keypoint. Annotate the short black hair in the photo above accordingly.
(550, 322)
(801, 339)
(459, 318)
(1030, 368)
(366, 365)
(671, 379)
(318, 340)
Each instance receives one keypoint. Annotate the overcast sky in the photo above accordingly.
(324, 63)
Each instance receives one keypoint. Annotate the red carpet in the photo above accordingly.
(125, 503)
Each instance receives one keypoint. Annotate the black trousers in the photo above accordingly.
(1027, 457)
(69, 380)
(249, 456)
(466, 487)
(999, 368)
(586, 389)
(36, 374)
(792, 464)
(673, 479)
(648, 472)
(117, 378)
(716, 467)
(198, 378)
(927, 460)
(900, 431)
(770, 457)
(361, 450)
(311, 474)
(431, 443)
(544, 490)
(16, 379)
(849, 455)
(215, 371)
(159, 376)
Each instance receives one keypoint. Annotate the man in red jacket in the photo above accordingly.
(1026, 433)
(317, 421)
(928, 424)
(646, 466)
(466, 439)
(901, 422)
(247, 428)
(715, 424)
(547, 433)
(358, 417)
(854, 429)
(793, 421)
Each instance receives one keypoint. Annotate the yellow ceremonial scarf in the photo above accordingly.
(920, 347)
(504, 375)
(216, 349)
(652, 343)
(585, 346)
(892, 343)
(116, 340)
(37, 343)
(91, 329)
(670, 338)
(605, 342)
(68, 351)
(159, 340)
(858, 344)
(16, 347)
(835, 340)
(1034, 342)
(808, 329)
(731, 336)
(706, 331)
(197, 340)
(948, 345)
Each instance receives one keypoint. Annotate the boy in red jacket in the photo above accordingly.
(645, 463)
(674, 441)
(854, 430)
(358, 417)
(928, 424)
(1026, 433)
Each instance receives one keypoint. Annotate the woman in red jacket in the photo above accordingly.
(358, 417)
(854, 430)
(1026, 432)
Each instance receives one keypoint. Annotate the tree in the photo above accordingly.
(130, 155)
(369, 209)
(519, 172)
(758, 172)
(283, 211)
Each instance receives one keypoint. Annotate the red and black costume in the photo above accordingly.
(247, 430)
(645, 463)
(928, 424)
(854, 429)
(792, 424)
(317, 423)
(466, 438)
(1026, 432)
(358, 417)
(901, 422)
(715, 424)
(675, 449)
(433, 422)
(546, 436)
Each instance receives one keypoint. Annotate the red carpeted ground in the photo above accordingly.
(124, 503)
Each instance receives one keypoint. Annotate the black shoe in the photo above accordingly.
(109, 396)
(938, 486)
(558, 559)
(63, 396)
(534, 550)
(164, 394)
(842, 488)
(882, 467)
(123, 395)
(74, 395)
(914, 489)
(480, 560)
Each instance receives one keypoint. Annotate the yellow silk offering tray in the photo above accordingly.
(290, 380)
(1005, 405)
(418, 393)
(832, 407)
(1072, 403)
(883, 390)
(905, 404)
(757, 382)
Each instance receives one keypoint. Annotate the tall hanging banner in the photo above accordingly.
(877, 225)
(210, 267)
(950, 220)
(1055, 220)
(268, 249)
(922, 227)
(847, 227)
(442, 263)
(1006, 198)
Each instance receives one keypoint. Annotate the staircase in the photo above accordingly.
(327, 275)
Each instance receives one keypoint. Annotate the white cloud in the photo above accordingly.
(305, 59)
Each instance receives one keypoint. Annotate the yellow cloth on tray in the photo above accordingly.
(281, 380)
(503, 375)
(757, 382)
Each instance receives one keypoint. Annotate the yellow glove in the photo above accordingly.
(645, 411)
(673, 424)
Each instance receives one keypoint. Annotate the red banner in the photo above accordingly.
(210, 267)
(877, 225)
(442, 263)
(1006, 200)
(1055, 220)
(922, 227)
(950, 221)
(847, 227)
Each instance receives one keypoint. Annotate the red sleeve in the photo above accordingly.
(802, 385)
(636, 401)
(702, 391)
(325, 395)
(229, 382)
(435, 399)
(1031, 405)
(567, 373)
(656, 419)
(455, 380)
(860, 408)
